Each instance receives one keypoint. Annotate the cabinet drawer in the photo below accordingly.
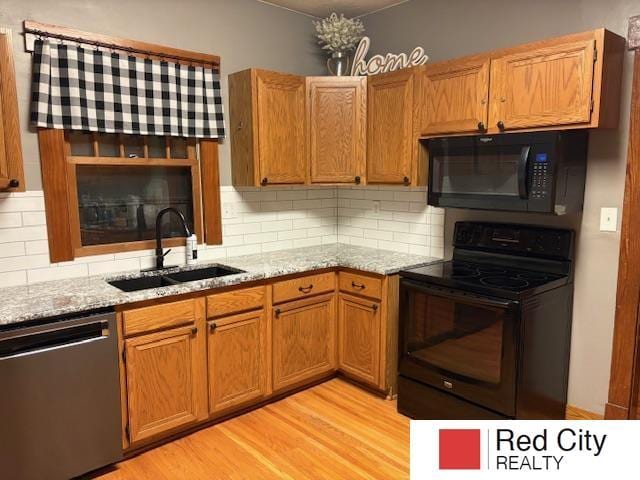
(360, 284)
(235, 301)
(303, 287)
(159, 317)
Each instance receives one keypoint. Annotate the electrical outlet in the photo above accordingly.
(229, 210)
(608, 219)
(376, 206)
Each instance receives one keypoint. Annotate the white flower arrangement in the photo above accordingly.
(338, 33)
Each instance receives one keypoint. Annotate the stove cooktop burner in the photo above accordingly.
(505, 282)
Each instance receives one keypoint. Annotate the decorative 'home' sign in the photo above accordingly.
(384, 63)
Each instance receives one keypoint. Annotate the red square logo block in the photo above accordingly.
(459, 449)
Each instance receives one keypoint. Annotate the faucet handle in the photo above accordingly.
(165, 253)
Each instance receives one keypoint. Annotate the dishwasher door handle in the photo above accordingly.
(53, 336)
(55, 327)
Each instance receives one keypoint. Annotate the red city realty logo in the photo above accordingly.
(459, 449)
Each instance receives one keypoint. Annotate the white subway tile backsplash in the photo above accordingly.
(241, 228)
(260, 237)
(33, 218)
(23, 234)
(403, 223)
(280, 245)
(291, 234)
(10, 220)
(57, 273)
(261, 220)
(100, 268)
(393, 226)
(307, 242)
(11, 279)
(277, 226)
(14, 249)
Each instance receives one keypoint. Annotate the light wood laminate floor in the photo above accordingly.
(331, 431)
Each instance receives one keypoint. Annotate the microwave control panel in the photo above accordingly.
(540, 177)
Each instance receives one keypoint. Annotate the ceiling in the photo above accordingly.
(322, 8)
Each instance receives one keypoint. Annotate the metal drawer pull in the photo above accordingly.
(194, 330)
(277, 312)
(374, 307)
(361, 286)
(306, 289)
(212, 327)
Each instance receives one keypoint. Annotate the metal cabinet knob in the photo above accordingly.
(357, 180)
(500, 125)
(406, 180)
(264, 181)
(481, 127)
(14, 183)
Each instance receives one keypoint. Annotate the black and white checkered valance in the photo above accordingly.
(87, 89)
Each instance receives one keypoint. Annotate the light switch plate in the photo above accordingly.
(608, 219)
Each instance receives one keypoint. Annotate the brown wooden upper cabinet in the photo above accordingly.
(546, 86)
(11, 168)
(336, 122)
(455, 96)
(391, 143)
(267, 128)
(566, 82)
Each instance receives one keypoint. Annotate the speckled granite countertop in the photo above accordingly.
(41, 300)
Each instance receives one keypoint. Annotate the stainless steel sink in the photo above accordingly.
(144, 282)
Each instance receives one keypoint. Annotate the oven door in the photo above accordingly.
(461, 343)
(464, 172)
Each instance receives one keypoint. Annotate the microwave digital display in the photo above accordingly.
(541, 157)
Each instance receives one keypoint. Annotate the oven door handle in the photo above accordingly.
(458, 296)
(523, 166)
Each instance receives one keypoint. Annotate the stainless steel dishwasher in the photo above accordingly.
(59, 398)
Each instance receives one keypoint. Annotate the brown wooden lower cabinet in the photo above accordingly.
(237, 360)
(359, 338)
(166, 385)
(304, 338)
(180, 369)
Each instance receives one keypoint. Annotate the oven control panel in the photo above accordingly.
(513, 239)
(540, 176)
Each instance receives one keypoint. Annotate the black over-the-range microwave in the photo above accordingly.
(541, 172)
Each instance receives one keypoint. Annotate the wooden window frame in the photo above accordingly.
(11, 162)
(72, 162)
(58, 167)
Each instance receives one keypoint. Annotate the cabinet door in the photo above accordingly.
(303, 340)
(237, 360)
(281, 127)
(543, 87)
(11, 168)
(454, 96)
(166, 382)
(390, 135)
(359, 338)
(336, 122)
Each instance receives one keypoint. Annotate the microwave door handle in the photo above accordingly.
(522, 172)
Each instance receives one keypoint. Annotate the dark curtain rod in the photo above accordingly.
(114, 46)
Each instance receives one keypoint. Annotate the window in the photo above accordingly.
(118, 184)
(102, 191)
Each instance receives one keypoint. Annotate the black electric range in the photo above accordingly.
(487, 334)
